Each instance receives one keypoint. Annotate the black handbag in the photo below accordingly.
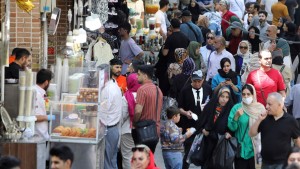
(239, 146)
(199, 156)
(146, 129)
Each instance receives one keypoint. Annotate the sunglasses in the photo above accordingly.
(140, 149)
(210, 37)
(243, 47)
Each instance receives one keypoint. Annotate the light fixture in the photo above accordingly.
(93, 22)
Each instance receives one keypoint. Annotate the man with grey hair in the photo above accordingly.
(266, 79)
(277, 128)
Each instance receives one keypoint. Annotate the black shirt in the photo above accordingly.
(175, 40)
(276, 138)
(12, 72)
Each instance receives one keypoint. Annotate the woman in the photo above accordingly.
(242, 57)
(194, 8)
(280, 32)
(206, 50)
(227, 77)
(203, 24)
(253, 39)
(128, 105)
(193, 51)
(241, 118)
(176, 68)
(142, 158)
(213, 122)
(290, 30)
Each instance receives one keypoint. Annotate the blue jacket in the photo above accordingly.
(184, 28)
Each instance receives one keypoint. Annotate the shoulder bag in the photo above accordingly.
(191, 28)
(146, 129)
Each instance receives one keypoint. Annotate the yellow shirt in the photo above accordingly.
(279, 10)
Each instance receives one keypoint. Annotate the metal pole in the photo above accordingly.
(45, 47)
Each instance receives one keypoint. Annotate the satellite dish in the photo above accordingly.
(5, 118)
(55, 16)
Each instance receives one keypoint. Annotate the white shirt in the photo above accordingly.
(41, 128)
(200, 95)
(268, 5)
(237, 7)
(214, 63)
(102, 53)
(125, 121)
(205, 54)
(111, 104)
(161, 19)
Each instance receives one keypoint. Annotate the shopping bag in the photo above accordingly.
(197, 154)
(224, 153)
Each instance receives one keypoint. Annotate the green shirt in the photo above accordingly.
(239, 128)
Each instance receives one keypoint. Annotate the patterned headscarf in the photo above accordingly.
(188, 66)
(180, 55)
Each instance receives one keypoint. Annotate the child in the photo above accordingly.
(172, 139)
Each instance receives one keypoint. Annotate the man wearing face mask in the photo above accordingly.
(43, 79)
(191, 99)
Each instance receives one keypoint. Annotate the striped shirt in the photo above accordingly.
(146, 97)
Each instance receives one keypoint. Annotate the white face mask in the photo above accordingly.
(247, 100)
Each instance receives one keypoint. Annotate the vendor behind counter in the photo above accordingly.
(23, 59)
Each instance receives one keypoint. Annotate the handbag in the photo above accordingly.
(146, 129)
(239, 146)
(199, 155)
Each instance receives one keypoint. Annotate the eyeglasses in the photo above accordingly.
(140, 149)
(210, 37)
(243, 47)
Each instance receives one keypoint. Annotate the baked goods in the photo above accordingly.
(75, 132)
(88, 95)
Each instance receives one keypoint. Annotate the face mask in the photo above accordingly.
(247, 100)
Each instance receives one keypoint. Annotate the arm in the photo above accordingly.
(297, 142)
(283, 94)
(254, 128)
(290, 98)
(139, 56)
(40, 118)
(233, 119)
(165, 52)
(138, 112)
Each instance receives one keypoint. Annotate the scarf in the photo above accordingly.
(231, 75)
(152, 161)
(192, 50)
(188, 66)
(254, 42)
(132, 85)
(217, 113)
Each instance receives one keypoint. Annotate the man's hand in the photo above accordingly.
(188, 114)
(206, 133)
(262, 116)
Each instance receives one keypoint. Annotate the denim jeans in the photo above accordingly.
(271, 166)
(172, 159)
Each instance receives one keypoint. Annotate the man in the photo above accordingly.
(216, 56)
(291, 5)
(192, 31)
(129, 50)
(235, 35)
(23, 59)
(279, 10)
(12, 57)
(226, 15)
(292, 99)
(176, 40)
(263, 26)
(116, 67)
(110, 113)
(266, 5)
(254, 7)
(191, 98)
(10, 162)
(43, 79)
(245, 18)
(145, 108)
(61, 157)
(277, 129)
(280, 43)
(207, 50)
(266, 79)
(161, 18)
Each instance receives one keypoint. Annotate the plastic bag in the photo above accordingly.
(224, 153)
(197, 154)
(167, 102)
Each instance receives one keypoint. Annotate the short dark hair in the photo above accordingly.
(43, 75)
(247, 5)
(263, 12)
(163, 3)
(14, 51)
(146, 69)
(9, 162)
(136, 64)
(175, 23)
(126, 26)
(171, 111)
(62, 152)
(22, 52)
(256, 5)
(115, 62)
(223, 61)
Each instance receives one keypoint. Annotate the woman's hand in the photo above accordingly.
(227, 135)
(206, 133)
(238, 114)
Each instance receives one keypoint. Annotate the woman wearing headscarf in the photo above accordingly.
(183, 78)
(203, 24)
(193, 51)
(195, 10)
(253, 39)
(227, 77)
(128, 105)
(213, 122)
(242, 57)
(142, 158)
(241, 118)
(176, 68)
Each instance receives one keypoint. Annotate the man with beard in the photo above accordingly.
(129, 50)
(254, 7)
(263, 26)
(116, 67)
(23, 59)
(43, 79)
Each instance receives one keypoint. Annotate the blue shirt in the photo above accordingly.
(293, 99)
(184, 28)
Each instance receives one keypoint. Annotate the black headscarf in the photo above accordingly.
(231, 74)
(254, 42)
